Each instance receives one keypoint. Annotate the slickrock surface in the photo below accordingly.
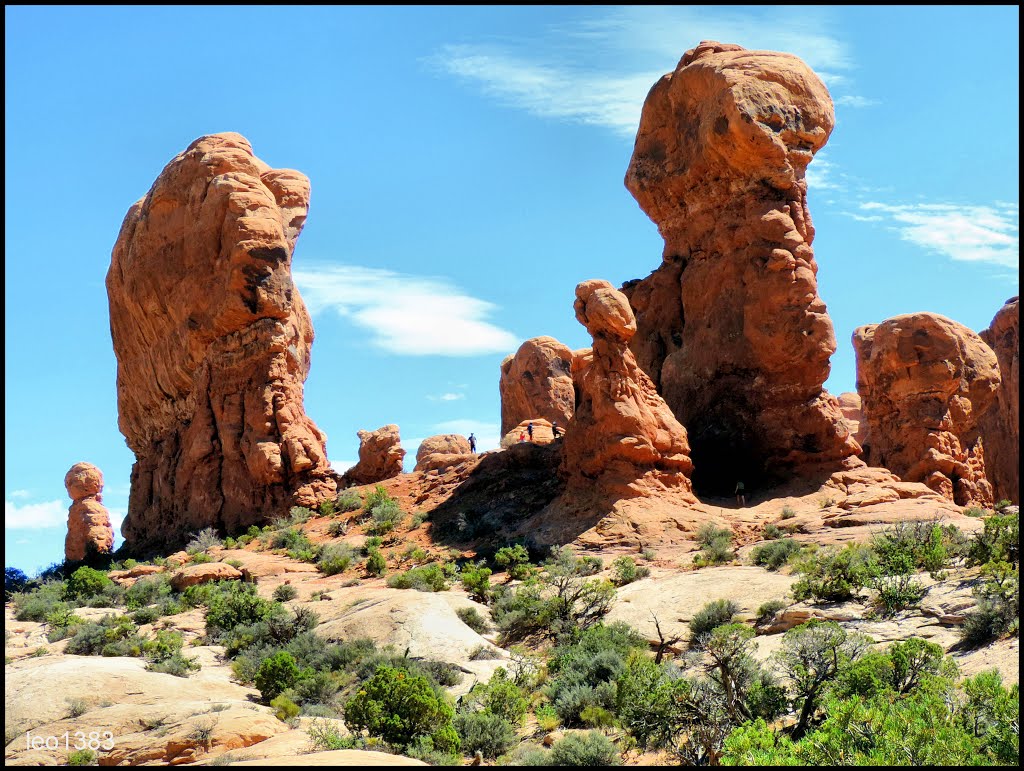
(88, 519)
(623, 437)
(925, 381)
(441, 451)
(380, 456)
(536, 382)
(212, 342)
(1000, 425)
(730, 327)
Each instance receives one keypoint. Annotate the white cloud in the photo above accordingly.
(35, 515)
(408, 315)
(598, 71)
(850, 100)
(987, 234)
(819, 174)
(449, 397)
(341, 466)
(19, 494)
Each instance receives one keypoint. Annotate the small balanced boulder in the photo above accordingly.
(380, 456)
(924, 381)
(441, 451)
(536, 382)
(89, 527)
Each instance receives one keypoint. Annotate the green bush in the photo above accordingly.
(285, 592)
(767, 611)
(485, 733)
(277, 673)
(40, 602)
(203, 540)
(14, 582)
(998, 541)
(715, 614)
(908, 546)
(85, 583)
(428, 578)
(515, 560)
(335, 559)
(234, 604)
(499, 696)
(787, 512)
(348, 500)
(589, 749)
(998, 610)
(385, 517)
(775, 554)
(326, 508)
(337, 528)
(112, 636)
(772, 531)
(716, 545)
(897, 592)
(81, 757)
(284, 708)
(398, 706)
(148, 590)
(471, 617)
(833, 576)
(626, 571)
(177, 665)
(375, 563)
(476, 579)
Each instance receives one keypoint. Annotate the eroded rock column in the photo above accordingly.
(380, 456)
(924, 382)
(89, 530)
(212, 342)
(730, 327)
(536, 382)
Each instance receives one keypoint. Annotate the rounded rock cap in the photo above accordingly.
(82, 480)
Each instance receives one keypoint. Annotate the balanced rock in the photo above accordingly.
(925, 381)
(543, 433)
(441, 451)
(730, 327)
(536, 382)
(622, 437)
(212, 342)
(380, 456)
(89, 529)
(1000, 425)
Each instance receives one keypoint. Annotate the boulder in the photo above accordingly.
(622, 438)
(441, 451)
(730, 327)
(213, 345)
(924, 381)
(191, 575)
(380, 456)
(542, 432)
(1000, 424)
(89, 529)
(536, 382)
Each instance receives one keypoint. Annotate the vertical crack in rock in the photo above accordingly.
(212, 343)
(731, 326)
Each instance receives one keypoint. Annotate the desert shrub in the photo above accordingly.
(585, 749)
(998, 541)
(775, 554)
(772, 531)
(201, 558)
(998, 610)
(112, 636)
(348, 500)
(398, 706)
(626, 571)
(499, 696)
(896, 592)
(832, 575)
(335, 559)
(284, 708)
(84, 757)
(443, 673)
(547, 717)
(385, 517)
(715, 614)
(515, 560)
(277, 673)
(85, 583)
(285, 592)
(326, 508)
(471, 617)
(337, 528)
(767, 611)
(787, 512)
(299, 514)
(974, 511)
(484, 653)
(428, 578)
(1002, 504)
(417, 519)
(163, 645)
(484, 732)
(908, 546)
(716, 545)
(476, 579)
(375, 563)
(40, 602)
(234, 604)
(148, 590)
(177, 665)
(203, 540)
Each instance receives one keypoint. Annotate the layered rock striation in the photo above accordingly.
(730, 327)
(89, 530)
(380, 456)
(536, 382)
(1000, 425)
(212, 342)
(623, 438)
(924, 382)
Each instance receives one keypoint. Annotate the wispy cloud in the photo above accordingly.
(448, 397)
(48, 514)
(407, 315)
(19, 494)
(821, 174)
(852, 100)
(598, 71)
(971, 233)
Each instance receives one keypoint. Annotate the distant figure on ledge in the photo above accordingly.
(529, 430)
(554, 430)
(741, 498)
(472, 443)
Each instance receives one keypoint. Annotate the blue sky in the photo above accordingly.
(466, 168)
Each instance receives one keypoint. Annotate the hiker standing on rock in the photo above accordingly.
(741, 497)
(472, 443)
(529, 430)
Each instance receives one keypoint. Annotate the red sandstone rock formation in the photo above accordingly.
(623, 438)
(380, 456)
(536, 383)
(441, 451)
(212, 342)
(730, 327)
(924, 381)
(849, 405)
(542, 433)
(1000, 425)
(89, 527)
